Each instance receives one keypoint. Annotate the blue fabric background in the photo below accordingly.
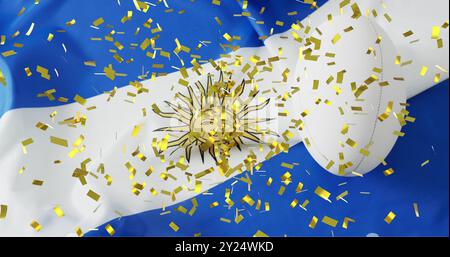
(428, 186)
(197, 23)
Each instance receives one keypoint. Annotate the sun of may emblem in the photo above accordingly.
(215, 118)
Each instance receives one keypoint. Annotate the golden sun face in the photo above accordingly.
(214, 118)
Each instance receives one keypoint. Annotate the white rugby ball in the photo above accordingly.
(346, 128)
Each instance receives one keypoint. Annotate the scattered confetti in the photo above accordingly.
(390, 217)
(110, 230)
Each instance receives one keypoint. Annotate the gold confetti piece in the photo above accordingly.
(329, 221)
(286, 178)
(281, 190)
(410, 119)
(315, 84)
(28, 72)
(423, 71)
(59, 212)
(398, 133)
(356, 11)
(336, 38)
(59, 141)
(279, 23)
(18, 45)
(37, 182)
(3, 211)
(371, 79)
(294, 203)
(388, 172)
(408, 33)
(50, 37)
(194, 202)
(330, 17)
(287, 165)
(416, 210)
(238, 218)
(36, 226)
(387, 112)
(424, 163)
(266, 206)
(247, 199)
(259, 233)
(98, 22)
(2, 79)
(330, 164)
(108, 179)
(131, 169)
(445, 24)
(110, 229)
(21, 170)
(17, 33)
(313, 222)
(437, 78)
(25, 143)
(351, 143)
(93, 195)
(322, 193)
(174, 226)
(9, 53)
(390, 217)
(228, 37)
(299, 187)
(342, 195)
(79, 99)
(378, 41)
(360, 90)
(364, 152)
(435, 32)
(340, 76)
(136, 130)
(22, 10)
(110, 72)
(346, 221)
(90, 63)
(43, 71)
(387, 17)
(71, 22)
(79, 232)
(118, 45)
(383, 84)
(344, 129)
(181, 209)
(204, 173)
(258, 205)
(141, 6)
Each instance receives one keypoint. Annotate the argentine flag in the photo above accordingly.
(224, 118)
